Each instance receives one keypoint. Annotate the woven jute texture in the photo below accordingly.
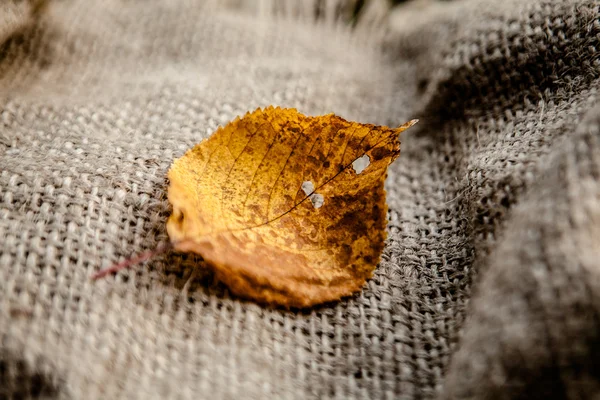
(489, 285)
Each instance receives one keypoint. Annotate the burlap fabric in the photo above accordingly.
(489, 286)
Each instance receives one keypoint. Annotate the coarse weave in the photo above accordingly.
(489, 285)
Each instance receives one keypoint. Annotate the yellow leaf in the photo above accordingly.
(278, 205)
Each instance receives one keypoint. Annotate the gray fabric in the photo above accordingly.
(489, 286)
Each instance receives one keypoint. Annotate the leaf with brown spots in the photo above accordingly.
(278, 205)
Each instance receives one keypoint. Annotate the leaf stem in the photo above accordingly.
(160, 249)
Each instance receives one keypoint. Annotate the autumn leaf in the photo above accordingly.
(276, 204)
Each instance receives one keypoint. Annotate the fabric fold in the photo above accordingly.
(533, 327)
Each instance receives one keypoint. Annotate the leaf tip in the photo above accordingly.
(408, 124)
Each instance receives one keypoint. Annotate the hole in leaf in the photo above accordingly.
(308, 187)
(361, 163)
(317, 200)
